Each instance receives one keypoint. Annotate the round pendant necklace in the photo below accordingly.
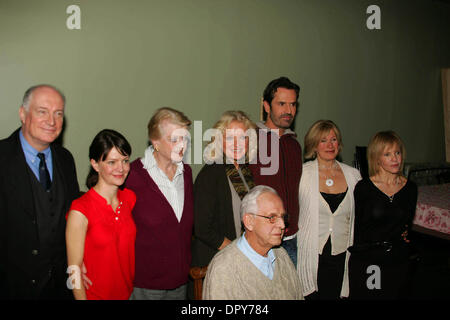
(329, 180)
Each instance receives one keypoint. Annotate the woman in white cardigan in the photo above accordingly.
(326, 215)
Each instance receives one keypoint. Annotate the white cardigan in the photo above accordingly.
(308, 223)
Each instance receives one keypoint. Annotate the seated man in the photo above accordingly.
(250, 267)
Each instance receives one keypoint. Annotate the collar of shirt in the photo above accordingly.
(103, 201)
(265, 264)
(173, 190)
(149, 162)
(32, 158)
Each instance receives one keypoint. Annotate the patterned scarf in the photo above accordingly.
(236, 180)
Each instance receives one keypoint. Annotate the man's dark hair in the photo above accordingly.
(282, 82)
(272, 87)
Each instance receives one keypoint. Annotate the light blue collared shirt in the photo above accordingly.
(32, 158)
(265, 264)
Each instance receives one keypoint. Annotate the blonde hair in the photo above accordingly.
(221, 125)
(315, 133)
(162, 114)
(376, 147)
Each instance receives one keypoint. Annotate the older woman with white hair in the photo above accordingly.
(221, 184)
(326, 215)
(164, 209)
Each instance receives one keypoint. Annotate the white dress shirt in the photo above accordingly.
(172, 190)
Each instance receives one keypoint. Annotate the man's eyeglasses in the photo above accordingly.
(273, 218)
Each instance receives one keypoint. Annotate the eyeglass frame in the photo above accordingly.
(284, 218)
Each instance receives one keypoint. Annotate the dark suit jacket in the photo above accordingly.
(19, 237)
(213, 213)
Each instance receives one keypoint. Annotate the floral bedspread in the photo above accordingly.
(433, 207)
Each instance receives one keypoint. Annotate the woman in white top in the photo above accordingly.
(326, 215)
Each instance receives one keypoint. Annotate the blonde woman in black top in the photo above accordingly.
(385, 205)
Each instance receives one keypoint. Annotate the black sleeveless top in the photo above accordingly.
(334, 199)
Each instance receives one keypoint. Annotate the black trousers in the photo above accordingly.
(329, 275)
(394, 268)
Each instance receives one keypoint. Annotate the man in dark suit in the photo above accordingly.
(37, 185)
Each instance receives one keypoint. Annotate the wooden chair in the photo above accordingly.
(198, 274)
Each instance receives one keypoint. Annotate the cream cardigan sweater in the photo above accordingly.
(232, 276)
(308, 223)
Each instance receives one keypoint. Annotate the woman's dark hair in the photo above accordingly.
(100, 147)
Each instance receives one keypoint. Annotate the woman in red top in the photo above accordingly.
(100, 230)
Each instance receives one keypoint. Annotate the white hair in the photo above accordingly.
(28, 94)
(249, 203)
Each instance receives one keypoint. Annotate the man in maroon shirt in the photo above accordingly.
(281, 168)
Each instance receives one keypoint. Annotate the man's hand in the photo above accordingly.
(86, 281)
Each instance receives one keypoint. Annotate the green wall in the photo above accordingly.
(206, 56)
